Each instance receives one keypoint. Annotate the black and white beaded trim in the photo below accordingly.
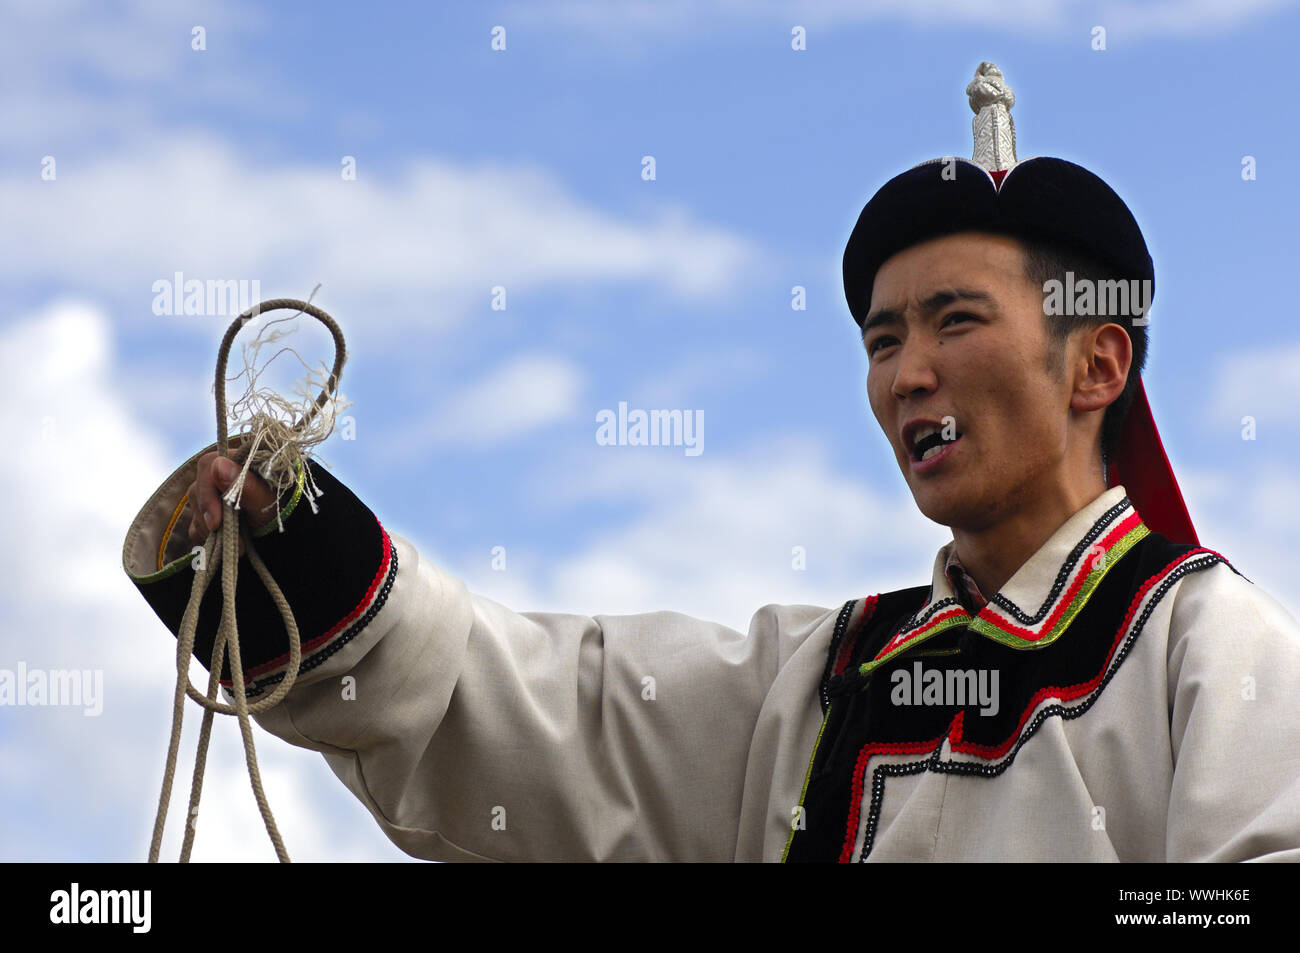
(1067, 568)
(262, 685)
(932, 762)
(841, 629)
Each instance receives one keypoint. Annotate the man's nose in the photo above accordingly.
(914, 369)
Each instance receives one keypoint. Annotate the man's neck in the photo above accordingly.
(993, 555)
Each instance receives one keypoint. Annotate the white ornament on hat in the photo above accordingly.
(991, 100)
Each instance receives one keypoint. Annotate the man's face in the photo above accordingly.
(964, 344)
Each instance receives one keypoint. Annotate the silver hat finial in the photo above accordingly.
(991, 100)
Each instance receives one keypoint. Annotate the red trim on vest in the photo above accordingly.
(851, 637)
(1064, 601)
(990, 752)
(859, 774)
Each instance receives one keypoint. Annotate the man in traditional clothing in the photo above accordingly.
(1078, 681)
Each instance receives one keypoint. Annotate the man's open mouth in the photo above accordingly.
(929, 441)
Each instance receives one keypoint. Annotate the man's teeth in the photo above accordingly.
(926, 435)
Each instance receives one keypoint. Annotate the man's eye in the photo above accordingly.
(875, 345)
(958, 314)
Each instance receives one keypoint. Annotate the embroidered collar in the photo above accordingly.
(1042, 598)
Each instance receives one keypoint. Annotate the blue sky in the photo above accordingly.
(522, 169)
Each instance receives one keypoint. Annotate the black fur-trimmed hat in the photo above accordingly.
(1041, 198)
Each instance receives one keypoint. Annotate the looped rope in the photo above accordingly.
(227, 638)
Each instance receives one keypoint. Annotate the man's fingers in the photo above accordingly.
(257, 498)
(215, 476)
(205, 495)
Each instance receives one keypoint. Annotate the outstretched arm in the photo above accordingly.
(471, 731)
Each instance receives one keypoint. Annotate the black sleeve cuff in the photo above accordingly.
(333, 561)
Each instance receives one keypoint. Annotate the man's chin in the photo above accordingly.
(946, 509)
(942, 516)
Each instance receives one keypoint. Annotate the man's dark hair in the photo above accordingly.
(1044, 261)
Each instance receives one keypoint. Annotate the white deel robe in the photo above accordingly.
(481, 733)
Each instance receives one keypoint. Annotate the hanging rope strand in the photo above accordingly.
(226, 643)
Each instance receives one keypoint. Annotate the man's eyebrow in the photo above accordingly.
(930, 305)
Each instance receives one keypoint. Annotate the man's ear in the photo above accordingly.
(1101, 365)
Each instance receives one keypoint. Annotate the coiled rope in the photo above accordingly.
(226, 540)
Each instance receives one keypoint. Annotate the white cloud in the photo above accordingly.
(714, 537)
(698, 374)
(230, 829)
(525, 393)
(637, 18)
(405, 248)
(78, 71)
(1264, 384)
(1252, 518)
(1186, 17)
(131, 41)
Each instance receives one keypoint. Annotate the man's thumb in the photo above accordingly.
(224, 472)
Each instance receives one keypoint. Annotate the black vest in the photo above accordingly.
(875, 712)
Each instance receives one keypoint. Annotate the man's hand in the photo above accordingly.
(215, 475)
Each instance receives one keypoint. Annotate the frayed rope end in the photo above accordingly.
(281, 444)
